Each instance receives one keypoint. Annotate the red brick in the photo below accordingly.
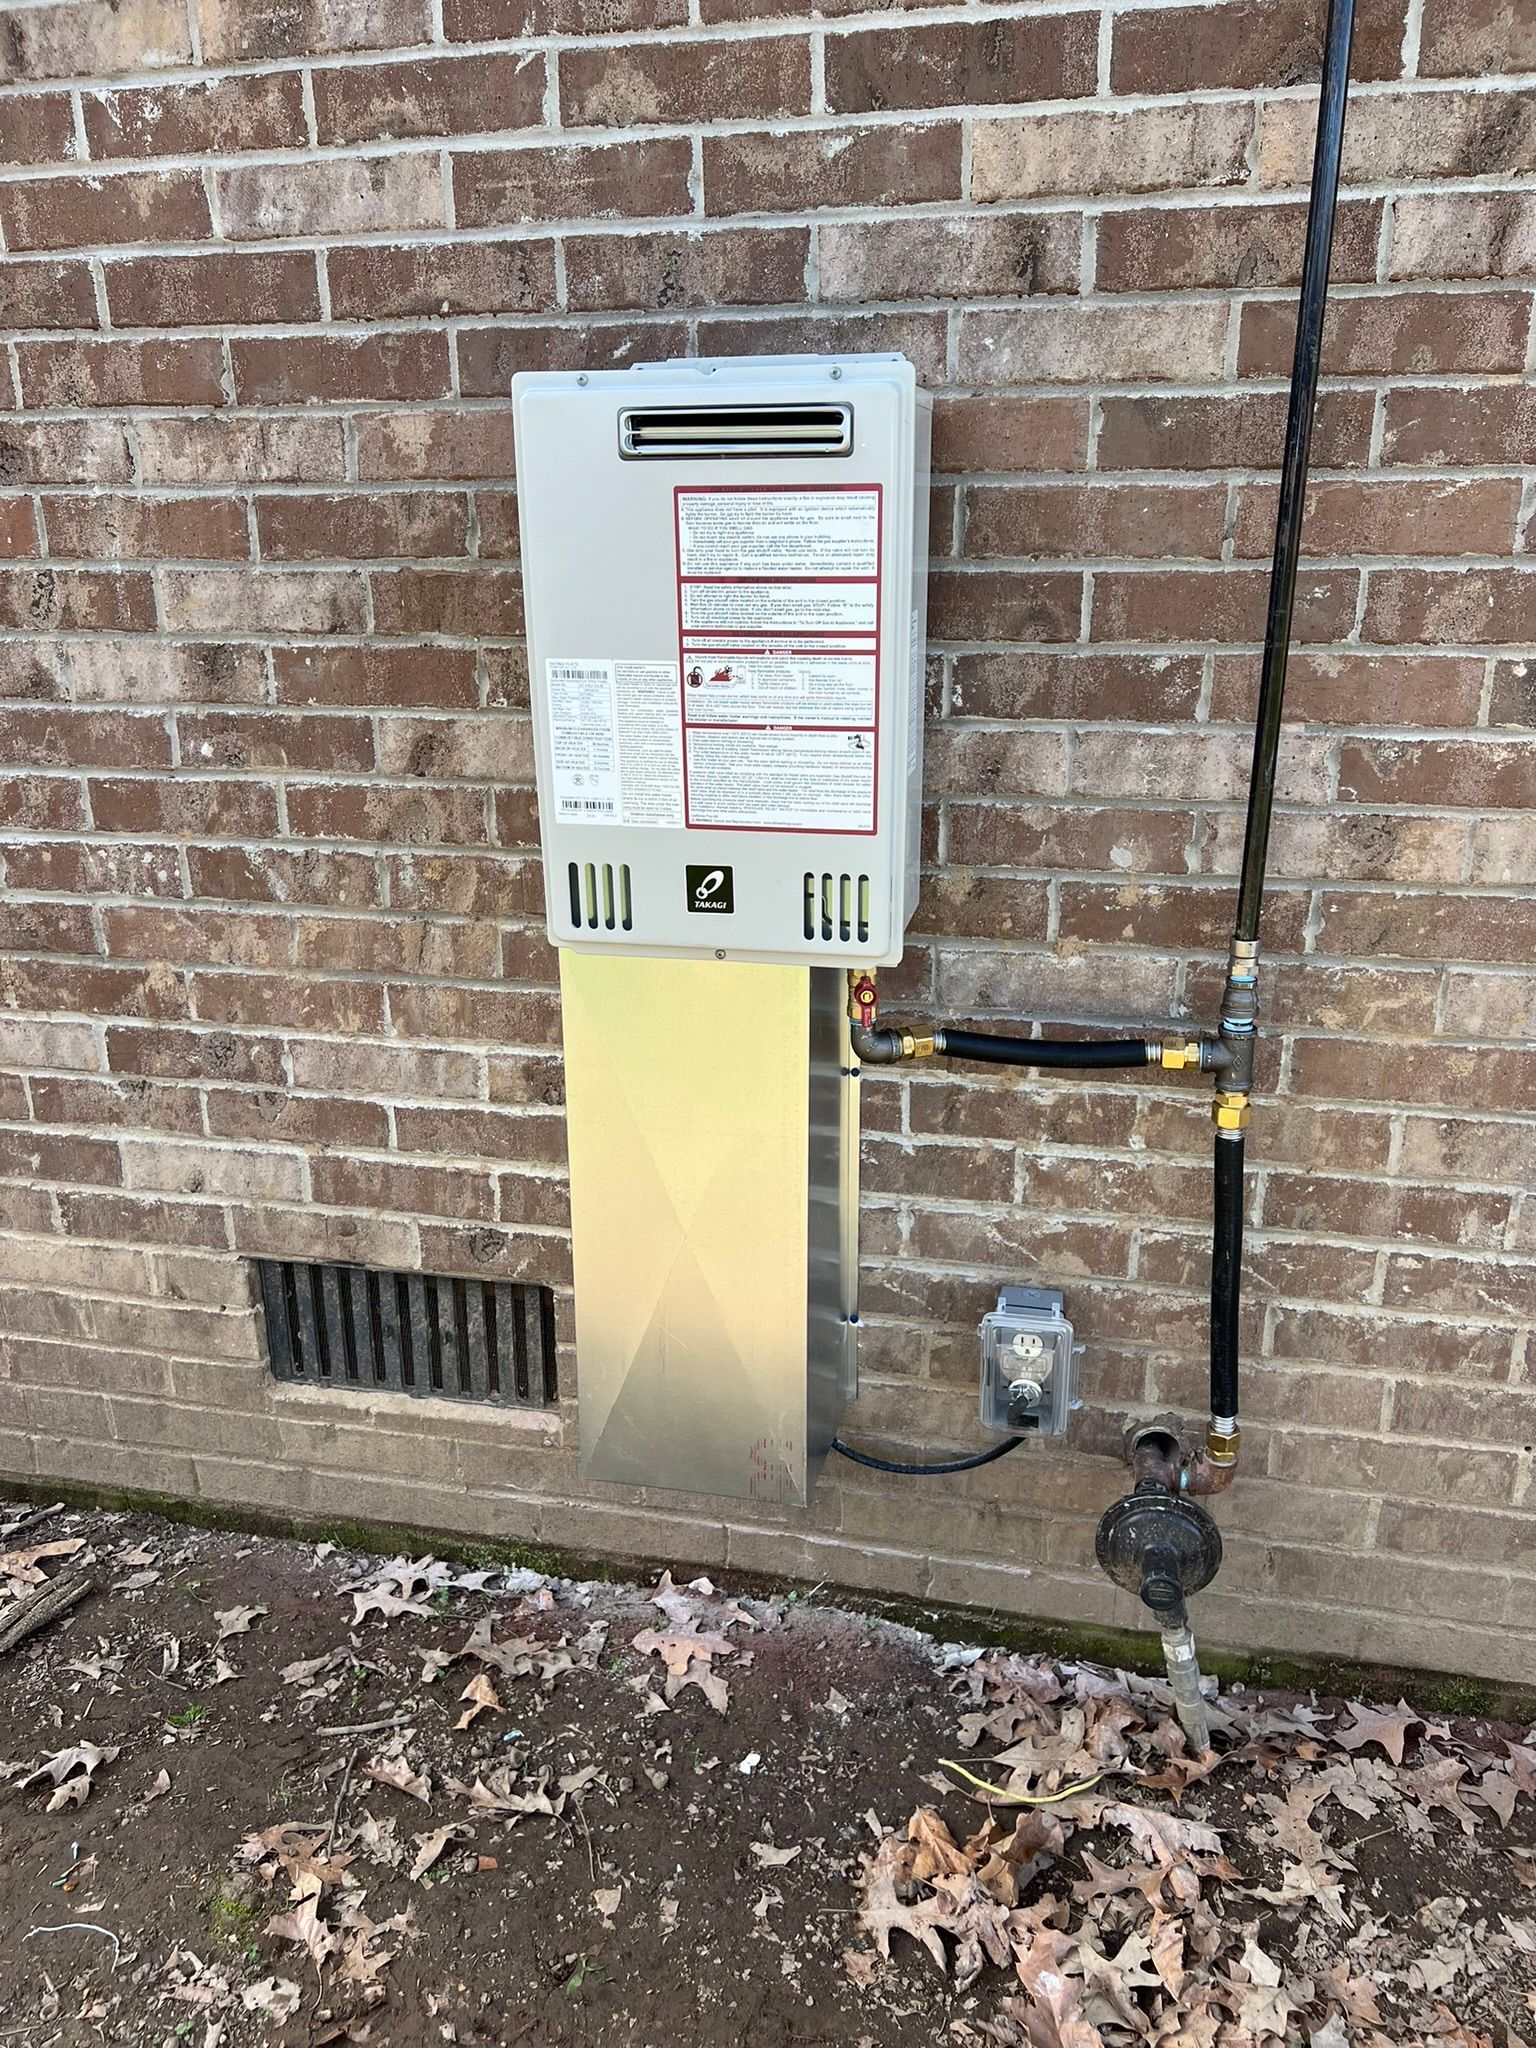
(1196, 766)
(363, 525)
(285, 1002)
(1432, 1075)
(886, 166)
(401, 1190)
(1142, 149)
(310, 367)
(1352, 689)
(277, 1116)
(215, 290)
(183, 806)
(240, 31)
(983, 906)
(235, 448)
(271, 875)
(1239, 430)
(418, 816)
(1222, 604)
(1246, 43)
(76, 373)
(1481, 774)
(376, 675)
(106, 527)
(436, 278)
(1004, 604)
(1513, 698)
(18, 529)
(410, 447)
(995, 433)
(681, 81)
(659, 271)
(1086, 520)
(435, 96)
(497, 525)
(53, 1156)
(275, 739)
(271, 601)
(31, 804)
(221, 115)
(1378, 518)
(95, 40)
(1187, 248)
(510, 186)
(83, 213)
(57, 738)
(1008, 255)
(489, 357)
(49, 295)
(157, 672)
(1465, 38)
(334, 196)
(500, 1016)
(1407, 135)
(48, 928)
(1408, 333)
(465, 604)
(124, 1103)
(1438, 424)
(107, 868)
(64, 452)
(950, 63)
(1428, 927)
(474, 21)
(918, 336)
(76, 600)
(1475, 235)
(38, 128)
(1092, 342)
(1451, 605)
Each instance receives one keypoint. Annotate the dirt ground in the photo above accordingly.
(258, 1791)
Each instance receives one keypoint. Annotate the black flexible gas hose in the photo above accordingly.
(1045, 1052)
(967, 1464)
(1293, 467)
(1226, 1271)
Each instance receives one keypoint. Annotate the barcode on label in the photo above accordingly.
(575, 672)
(571, 803)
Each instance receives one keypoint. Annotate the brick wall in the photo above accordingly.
(273, 974)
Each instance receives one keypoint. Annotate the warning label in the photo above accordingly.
(779, 625)
(615, 741)
(784, 781)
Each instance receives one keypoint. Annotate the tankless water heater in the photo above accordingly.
(724, 566)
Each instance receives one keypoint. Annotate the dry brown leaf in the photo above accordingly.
(678, 1650)
(482, 1694)
(396, 1771)
(935, 1852)
(21, 1566)
(769, 1857)
(429, 1847)
(1390, 1729)
(235, 1621)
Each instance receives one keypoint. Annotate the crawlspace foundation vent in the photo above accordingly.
(349, 1328)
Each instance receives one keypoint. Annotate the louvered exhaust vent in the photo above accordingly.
(837, 908)
(600, 896)
(672, 432)
(409, 1333)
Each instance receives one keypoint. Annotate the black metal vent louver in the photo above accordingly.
(409, 1333)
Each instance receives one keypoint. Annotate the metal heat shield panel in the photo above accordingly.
(708, 1129)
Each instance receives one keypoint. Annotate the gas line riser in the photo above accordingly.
(725, 572)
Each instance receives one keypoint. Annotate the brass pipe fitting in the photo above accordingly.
(1179, 1053)
(1230, 1110)
(1223, 1441)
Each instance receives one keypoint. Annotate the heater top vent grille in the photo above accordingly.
(673, 433)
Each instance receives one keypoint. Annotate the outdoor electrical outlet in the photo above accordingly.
(1028, 1363)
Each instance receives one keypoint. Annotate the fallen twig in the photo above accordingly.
(42, 1606)
(372, 1727)
(341, 1793)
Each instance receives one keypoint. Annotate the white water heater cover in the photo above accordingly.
(724, 569)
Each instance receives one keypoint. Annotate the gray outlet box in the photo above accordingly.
(1028, 1363)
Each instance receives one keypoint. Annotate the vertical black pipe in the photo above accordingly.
(1298, 448)
(1226, 1270)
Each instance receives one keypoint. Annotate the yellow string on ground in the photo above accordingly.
(1006, 1798)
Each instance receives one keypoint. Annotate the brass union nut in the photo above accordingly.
(1222, 1446)
(1179, 1053)
(1230, 1110)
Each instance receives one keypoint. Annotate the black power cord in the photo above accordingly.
(946, 1465)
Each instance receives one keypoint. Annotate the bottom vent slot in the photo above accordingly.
(836, 909)
(346, 1328)
(601, 896)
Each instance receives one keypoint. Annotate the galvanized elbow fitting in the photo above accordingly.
(880, 1045)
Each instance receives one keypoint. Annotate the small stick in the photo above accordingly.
(372, 1727)
(11, 1532)
(42, 1606)
(341, 1793)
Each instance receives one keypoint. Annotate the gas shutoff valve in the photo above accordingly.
(1028, 1363)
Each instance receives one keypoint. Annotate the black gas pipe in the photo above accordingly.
(1158, 1541)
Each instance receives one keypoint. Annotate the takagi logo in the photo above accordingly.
(712, 890)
